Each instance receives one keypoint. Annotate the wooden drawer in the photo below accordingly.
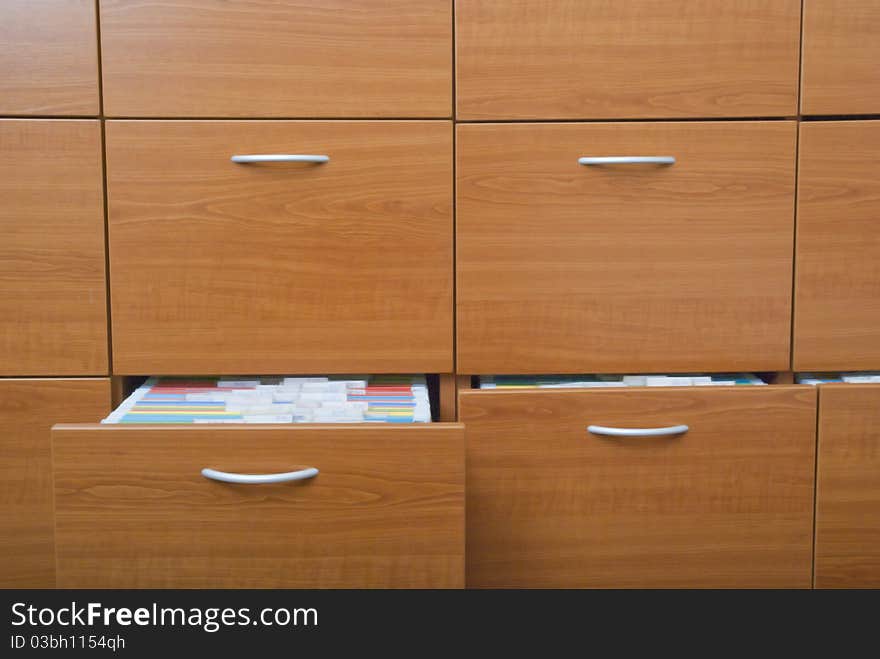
(565, 268)
(586, 59)
(837, 274)
(28, 408)
(53, 310)
(134, 511)
(841, 49)
(277, 58)
(848, 487)
(727, 504)
(219, 267)
(49, 57)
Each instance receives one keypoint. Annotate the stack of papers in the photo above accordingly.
(852, 378)
(588, 381)
(340, 399)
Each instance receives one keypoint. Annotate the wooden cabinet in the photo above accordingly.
(728, 503)
(28, 408)
(277, 58)
(595, 59)
(848, 487)
(385, 510)
(53, 307)
(571, 268)
(841, 49)
(48, 57)
(284, 267)
(837, 274)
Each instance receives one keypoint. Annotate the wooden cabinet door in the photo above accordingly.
(848, 487)
(841, 50)
(837, 273)
(277, 58)
(640, 59)
(286, 267)
(570, 268)
(53, 310)
(727, 504)
(28, 409)
(48, 57)
(386, 509)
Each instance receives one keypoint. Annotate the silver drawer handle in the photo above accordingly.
(279, 157)
(627, 160)
(256, 479)
(637, 432)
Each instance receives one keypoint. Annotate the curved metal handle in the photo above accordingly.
(637, 432)
(257, 479)
(279, 157)
(627, 160)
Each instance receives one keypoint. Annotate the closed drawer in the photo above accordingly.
(848, 487)
(53, 309)
(584, 59)
(49, 57)
(385, 510)
(28, 408)
(729, 503)
(573, 268)
(277, 58)
(220, 267)
(837, 275)
(841, 47)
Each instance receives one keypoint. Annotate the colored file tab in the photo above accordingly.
(336, 399)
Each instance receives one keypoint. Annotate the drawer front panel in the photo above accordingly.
(727, 504)
(386, 509)
(629, 267)
(28, 409)
(219, 267)
(837, 277)
(53, 310)
(848, 487)
(841, 50)
(595, 59)
(277, 58)
(49, 57)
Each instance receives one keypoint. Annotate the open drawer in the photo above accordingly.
(640, 487)
(259, 506)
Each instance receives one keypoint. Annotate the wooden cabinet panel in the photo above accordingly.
(624, 268)
(28, 408)
(219, 267)
(277, 58)
(53, 310)
(841, 50)
(848, 487)
(837, 274)
(727, 504)
(49, 57)
(600, 59)
(134, 511)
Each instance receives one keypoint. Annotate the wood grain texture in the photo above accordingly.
(841, 50)
(48, 57)
(341, 267)
(28, 408)
(277, 58)
(624, 268)
(53, 310)
(385, 511)
(837, 274)
(848, 487)
(729, 504)
(602, 59)
(448, 397)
